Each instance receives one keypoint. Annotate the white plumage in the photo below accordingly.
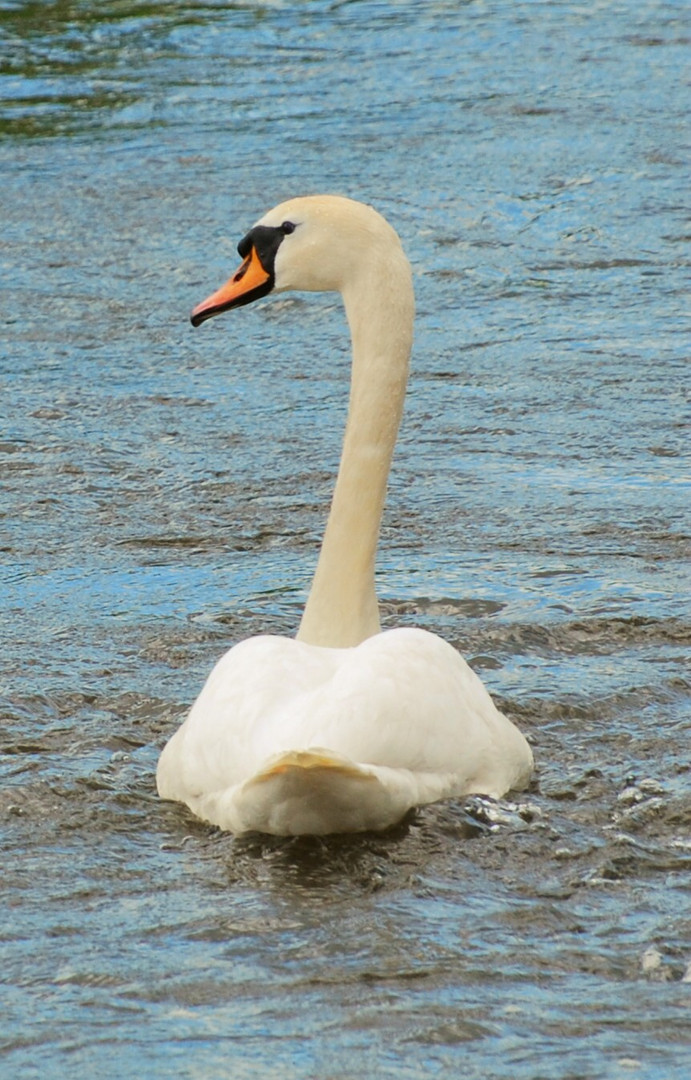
(346, 727)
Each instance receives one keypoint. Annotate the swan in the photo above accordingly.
(345, 727)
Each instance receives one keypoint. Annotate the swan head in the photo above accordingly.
(314, 243)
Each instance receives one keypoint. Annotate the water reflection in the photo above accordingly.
(69, 68)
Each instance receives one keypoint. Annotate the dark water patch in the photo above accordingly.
(594, 636)
(469, 608)
(74, 68)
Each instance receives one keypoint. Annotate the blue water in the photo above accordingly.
(164, 492)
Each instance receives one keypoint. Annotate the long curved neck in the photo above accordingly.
(342, 608)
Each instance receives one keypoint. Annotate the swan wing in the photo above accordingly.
(290, 738)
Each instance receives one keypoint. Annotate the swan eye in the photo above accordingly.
(287, 227)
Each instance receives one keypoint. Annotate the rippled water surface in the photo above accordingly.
(164, 491)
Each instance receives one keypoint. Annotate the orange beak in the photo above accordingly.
(247, 284)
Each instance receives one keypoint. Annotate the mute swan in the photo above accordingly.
(346, 727)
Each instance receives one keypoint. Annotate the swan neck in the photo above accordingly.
(342, 609)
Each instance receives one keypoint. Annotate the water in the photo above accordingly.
(164, 491)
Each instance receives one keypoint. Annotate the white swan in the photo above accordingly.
(346, 727)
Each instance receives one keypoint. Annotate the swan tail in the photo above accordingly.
(317, 792)
(297, 761)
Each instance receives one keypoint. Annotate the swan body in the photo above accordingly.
(344, 728)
